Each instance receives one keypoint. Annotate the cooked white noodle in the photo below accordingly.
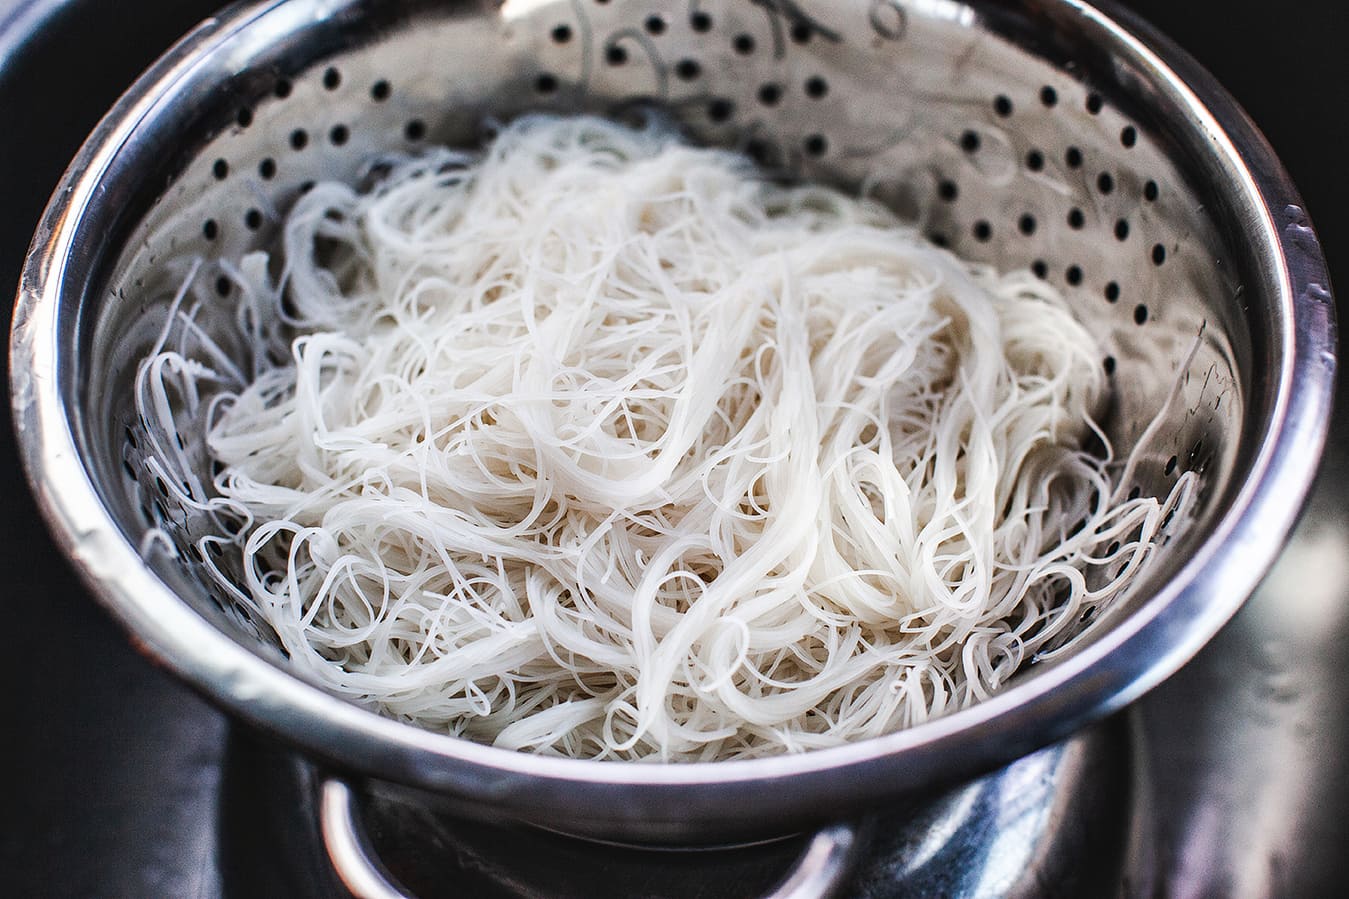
(603, 446)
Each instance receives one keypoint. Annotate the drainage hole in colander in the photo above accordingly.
(244, 117)
(1197, 448)
(1129, 136)
(1108, 363)
(415, 130)
(816, 87)
(210, 230)
(687, 69)
(700, 22)
(970, 141)
(1105, 183)
(546, 83)
(1136, 492)
(231, 526)
(1151, 191)
(1035, 161)
(221, 170)
(654, 24)
(339, 135)
(939, 240)
(1077, 219)
(561, 34)
(1073, 157)
(1002, 105)
(380, 91)
(770, 94)
(299, 139)
(1140, 314)
(615, 55)
(267, 169)
(1158, 254)
(1095, 104)
(720, 110)
(1122, 230)
(983, 231)
(332, 78)
(762, 152)
(1112, 292)
(1026, 224)
(816, 145)
(948, 190)
(222, 287)
(1049, 97)
(130, 436)
(129, 469)
(1040, 268)
(1073, 275)
(801, 32)
(253, 219)
(283, 88)
(743, 44)
(1171, 466)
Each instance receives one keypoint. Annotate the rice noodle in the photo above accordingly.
(603, 446)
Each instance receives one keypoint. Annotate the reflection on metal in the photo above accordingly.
(1008, 834)
(1309, 580)
(359, 873)
(820, 872)
(947, 10)
(1248, 743)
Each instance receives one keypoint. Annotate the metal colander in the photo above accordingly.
(1037, 134)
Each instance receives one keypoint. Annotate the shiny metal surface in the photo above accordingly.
(819, 873)
(1075, 815)
(356, 867)
(1249, 745)
(1236, 251)
(1070, 820)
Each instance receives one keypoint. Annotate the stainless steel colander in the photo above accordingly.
(1049, 134)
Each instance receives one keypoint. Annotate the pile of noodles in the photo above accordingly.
(599, 445)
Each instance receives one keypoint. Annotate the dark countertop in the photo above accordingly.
(115, 767)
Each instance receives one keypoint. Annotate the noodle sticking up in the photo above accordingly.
(599, 445)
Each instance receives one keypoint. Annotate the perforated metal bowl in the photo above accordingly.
(1026, 133)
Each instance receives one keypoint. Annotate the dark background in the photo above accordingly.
(77, 692)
